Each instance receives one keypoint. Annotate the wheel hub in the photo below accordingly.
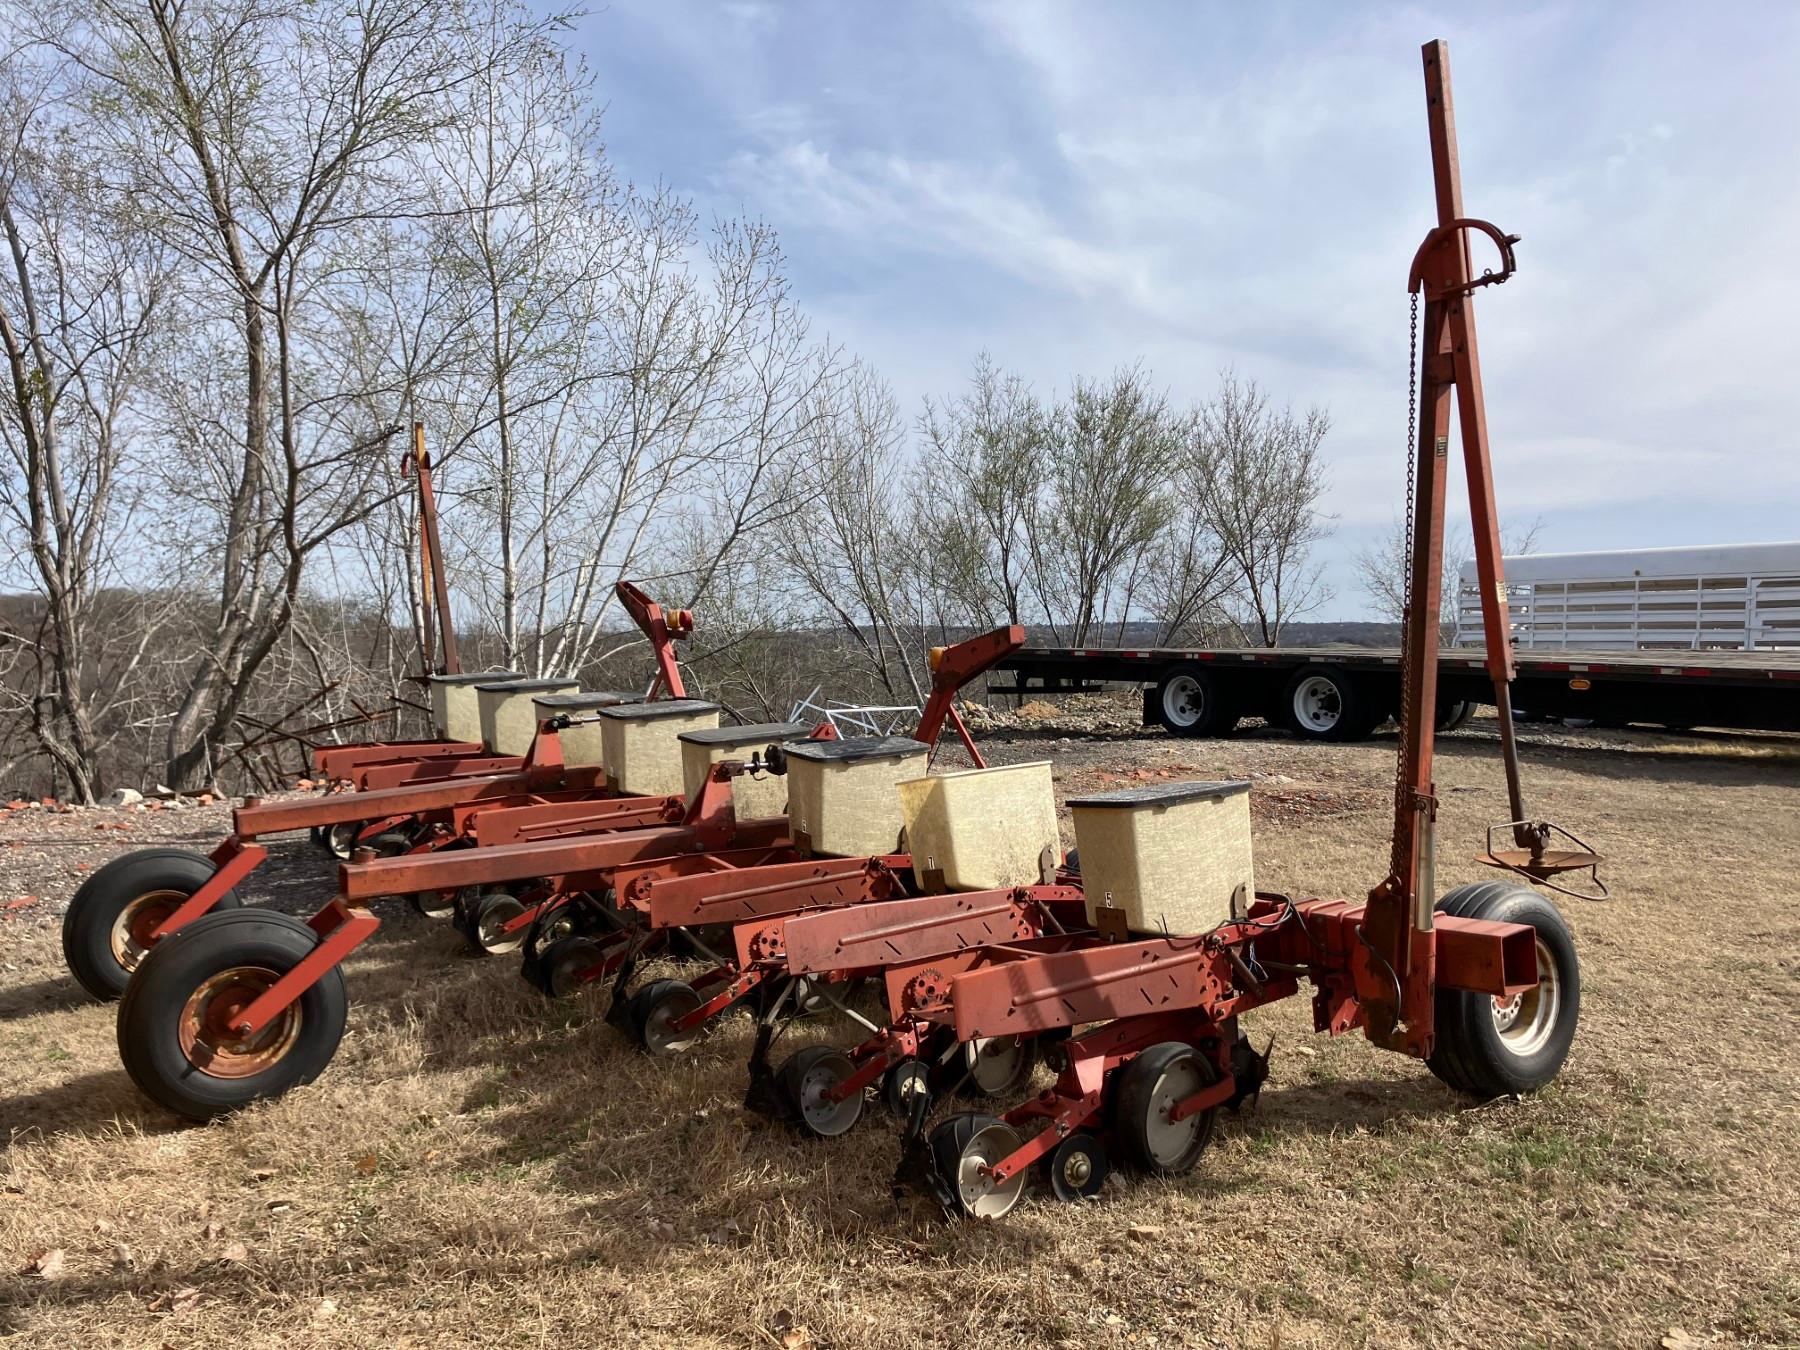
(207, 1035)
(1526, 1020)
(133, 932)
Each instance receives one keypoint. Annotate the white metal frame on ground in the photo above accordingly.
(1740, 596)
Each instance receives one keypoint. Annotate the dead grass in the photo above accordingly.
(482, 1168)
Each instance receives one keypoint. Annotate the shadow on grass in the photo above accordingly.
(59, 993)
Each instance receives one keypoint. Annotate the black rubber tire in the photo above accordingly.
(1190, 702)
(149, 1013)
(1080, 1148)
(999, 1088)
(1455, 714)
(1134, 1102)
(791, 1075)
(566, 958)
(644, 1004)
(389, 844)
(1470, 1054)
(950, 1137)
(901, 1083)
(96, 906)
(1357, 716)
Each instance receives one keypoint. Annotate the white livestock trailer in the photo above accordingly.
(1736, 596)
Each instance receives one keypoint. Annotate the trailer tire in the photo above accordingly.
(216, 963)
(1190, 702)
(1487, 1047)
(105, 928)
(1152, 1083)
(1328, 703)
(1452, 715)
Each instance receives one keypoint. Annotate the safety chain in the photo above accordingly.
(1402, 787)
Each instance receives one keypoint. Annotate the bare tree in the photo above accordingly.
(1107, 499)
(851, 549)
(79, 294)
(1258, 473)
(980, 475)
(1381, 569)
(259, 144)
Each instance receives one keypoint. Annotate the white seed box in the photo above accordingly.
(508, 721)
(455, 707)
(843, 796)
(753, 797)
(981, 829)
(642, 746)
(1175, 858)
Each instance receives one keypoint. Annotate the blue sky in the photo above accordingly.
(1074, 187)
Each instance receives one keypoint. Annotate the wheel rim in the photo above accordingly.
(1318, 703)
(906, 1083)
(340, 838)
(131, 937)
(1173, 1144)
(566, 973)
(205, 1032)
(1184, 701)
(557, 926)
(996, 1063)
(974, 1187)
(660, 1035)
(490, 929)
(1526, 1021)
(825, 1116)
(435, 904)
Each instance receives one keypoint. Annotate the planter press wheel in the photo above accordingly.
(1077, 1168)
(106, 931)
(965, 1144)
(807, 1078)
(492, 914)
(998, 1066)
(566, 961)
(1150, 1088)
(434, 904)
(653, 1010)
(904, 1084)
(340, 839)
(174, 1026)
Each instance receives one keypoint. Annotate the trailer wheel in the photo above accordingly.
(998, 1066)
(652, 1010)
(807, 1078)
(1450, 716)
(1153, 1084)
(1325, 703)
(173, 1026)
(965, 1144)
(1492, 1047)
(492, 914)
(106, 929)
(1077, 1168)
(1189, 703)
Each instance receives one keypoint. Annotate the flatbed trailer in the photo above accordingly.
(1344, 693)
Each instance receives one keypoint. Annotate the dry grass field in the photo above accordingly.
(481, 1167)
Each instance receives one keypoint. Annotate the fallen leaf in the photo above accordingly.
(211, 1231)
(1676, 1338)
(180, 1301)
(235, 1252)
(367, 1164)
(262, 1173)
(122, 1257)
(325, 1309)
(45, 1265)
(1143, 1230)
(102, 1226)
(279, 1206)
